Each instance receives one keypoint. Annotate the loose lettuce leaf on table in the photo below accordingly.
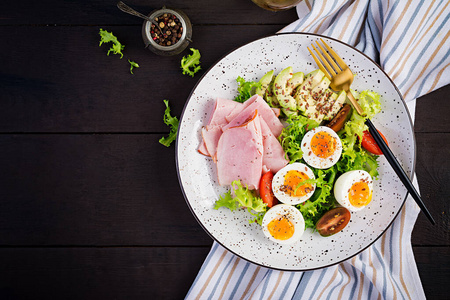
(172, 122)
(133, 65)
(190, 63)
(108, 37)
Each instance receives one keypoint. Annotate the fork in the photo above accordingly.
(341, 78)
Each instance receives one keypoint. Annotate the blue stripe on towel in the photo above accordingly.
(422, 53)
(374, 30)
(221, 275)
(356, 29)
(302, 284)
(380, 259)
(404, 33)
(355, 277)
(391, 259)
(438, 65)
(392, 9)
(266, 282)
(339, 283)
(319, 281)
(286, 286)
(380, 11)
(244, 271)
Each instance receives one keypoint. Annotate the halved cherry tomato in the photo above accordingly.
(333, 221)
(338, 122)
(265, 190)
(369, 143)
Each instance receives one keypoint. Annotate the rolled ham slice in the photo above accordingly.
(240, 153)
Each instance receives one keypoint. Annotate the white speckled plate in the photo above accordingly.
(198, 177)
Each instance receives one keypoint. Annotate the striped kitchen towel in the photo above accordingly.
(410, 41)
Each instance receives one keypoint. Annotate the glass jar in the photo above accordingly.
(172, 49)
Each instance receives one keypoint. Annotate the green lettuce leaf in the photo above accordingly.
(322, 200)
(292, 135)
(354, 157)
(108, 37)
(133, 65)
(172, 122)
(190, 63)
(370, 103)
(243, 198)
(246, 89)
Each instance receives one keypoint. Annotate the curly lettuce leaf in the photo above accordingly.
(242, 197)
(172, 122)
(354, 157)
(108, 37)
(370, 103)
(246, 89)
(322, 200)
(190, 63)
(361, 160)
(292, 135)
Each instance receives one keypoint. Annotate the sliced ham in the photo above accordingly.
(244, 105)
(237, 110)
(202, 148)
(277, 111)
(274, 155)
(211, 135)
(222, 109)
(240, 153)
(264, 110)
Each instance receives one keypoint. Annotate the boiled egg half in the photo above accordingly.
(353, 189)
(321, 147)
(283, 224)
(289, 185)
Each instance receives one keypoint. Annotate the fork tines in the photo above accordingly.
(337, 64)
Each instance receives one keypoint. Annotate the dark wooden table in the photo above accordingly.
(90, 203)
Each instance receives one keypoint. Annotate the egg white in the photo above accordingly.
(292, 214)
(344, 183)
(320, 162)
(278, 182)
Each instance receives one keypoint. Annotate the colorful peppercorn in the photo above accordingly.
(171, 27)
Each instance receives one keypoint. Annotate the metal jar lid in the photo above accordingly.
(176, 48)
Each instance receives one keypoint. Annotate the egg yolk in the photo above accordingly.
(281, 228)
(292, 180)
(360, 194)
(323, 144)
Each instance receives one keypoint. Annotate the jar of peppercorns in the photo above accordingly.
(170, 34)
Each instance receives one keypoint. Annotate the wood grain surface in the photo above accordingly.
(91, 206)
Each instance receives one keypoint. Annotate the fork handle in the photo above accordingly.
(398, 169)
(355, 103)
